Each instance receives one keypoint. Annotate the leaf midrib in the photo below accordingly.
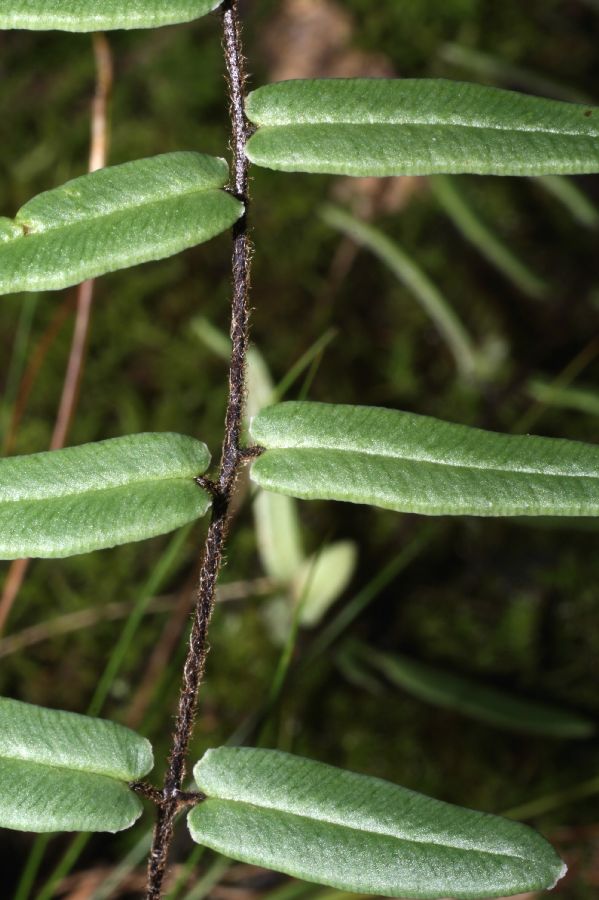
(101, 490)
(77, 20)
(19, 17)
(63, 767)
(422, 124)
(329, 820)
(28, 231)
(432, 462)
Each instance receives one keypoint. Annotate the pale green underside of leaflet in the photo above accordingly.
(54, 737)
(99, 15)
(36, 797)
(358, 833)
(411, 463)
(479, 701)
(381, 126)
(114, 218)
(60, 771)
(99, 495)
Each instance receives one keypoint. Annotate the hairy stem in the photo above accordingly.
(231, 459)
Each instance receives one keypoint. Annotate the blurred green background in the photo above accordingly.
(512, 604)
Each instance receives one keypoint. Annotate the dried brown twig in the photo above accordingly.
(72, 380)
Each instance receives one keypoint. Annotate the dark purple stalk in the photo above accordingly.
(172, 798)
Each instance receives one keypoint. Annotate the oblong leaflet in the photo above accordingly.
(89, 15)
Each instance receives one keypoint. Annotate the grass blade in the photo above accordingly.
(405, 269)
